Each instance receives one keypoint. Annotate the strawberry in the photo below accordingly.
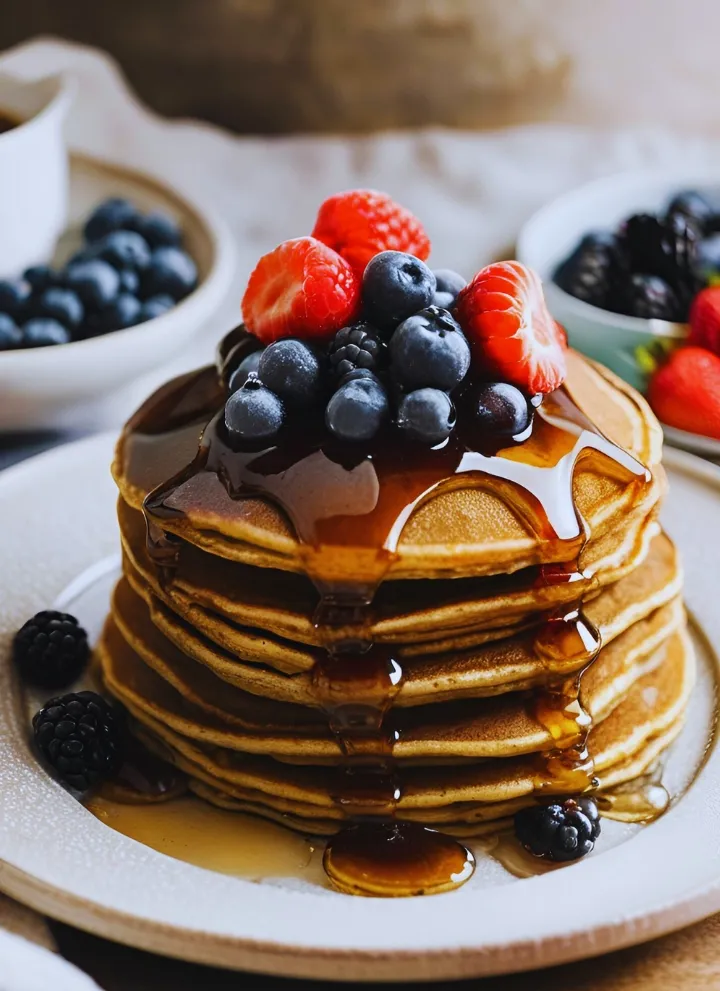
(705, 320)
(301, 289)
(685, 392)
(511, 332)
(361, 223)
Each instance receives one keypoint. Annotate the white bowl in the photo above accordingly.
(553, 232)
(46, 388)
(33, 169)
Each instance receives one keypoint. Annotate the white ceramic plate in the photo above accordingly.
(50, 388)
(57, 519)
(708, 447)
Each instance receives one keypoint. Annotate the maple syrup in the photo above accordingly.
(348, 508)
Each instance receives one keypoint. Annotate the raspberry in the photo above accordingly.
(301, 289)
(361, 223)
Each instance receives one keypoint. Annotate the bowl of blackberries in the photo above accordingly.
(123, 294)
(623, 259)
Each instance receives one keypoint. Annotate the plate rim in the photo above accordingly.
(368, 964)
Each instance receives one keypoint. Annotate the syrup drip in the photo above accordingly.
(348, 509)
(643, 800)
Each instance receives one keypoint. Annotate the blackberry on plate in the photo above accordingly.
(356, 346)
(358, 409)
(429, 349)
(426, 416)
(291, 369)
(651, 298)
(122, 312)
(587, 274)
(96, 282)
(171, 271)
(42, 332)
(500, 409)
(253, 413)
(14, 297)
(158, 229)
(80, 736)
(395, 285)
(155, 307)
(62, 305)
(10, 333)
(124, 249)
(112, 215)
(559, 831)
(51, 649)
(248, 365)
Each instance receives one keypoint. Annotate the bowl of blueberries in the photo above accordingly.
(622, 259)
(134, 278)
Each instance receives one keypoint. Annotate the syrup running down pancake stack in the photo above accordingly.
(390, 642)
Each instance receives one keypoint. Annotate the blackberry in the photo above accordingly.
(354, 347)
(80, 737)
(590, 272)
(651, 298)
(693, 206)
(51, 649)
(560, 831)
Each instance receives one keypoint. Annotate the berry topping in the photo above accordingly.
(500, 409)
(358, 409)
(650, 297)
(396, 285)
(511, 332)
(449, 282)
(356, 347)
(158, 229)
(62, 305)
(170, 272)
(302, 288)
(248, 365)
(363, 222)
(124, 249)
(80, 737)
(291, 370)
(559, 832)
(43, 332)
(10, 333)
(95, 281)
(14, 297)
(685, 392)
(112, 215)
(588, 273)
(429, 349)
(51, 650)
(253, 412)
(426, 415)
(705, 320)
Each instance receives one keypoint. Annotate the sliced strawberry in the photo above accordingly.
(512, 335)
(361, 223)
(705, 320)
(685, 392)
(301, 289)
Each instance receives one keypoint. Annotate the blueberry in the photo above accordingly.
(10, 334)
(559, 832)
(124, 311)
(248, 365)
(291, 370)
(357, 410)
(14, 297)
(62, 305)
(83, 255)
(96, 282)
(651, 298)
(500, 409)
(253, 412)
(429, 349)
(124, 249)
(155, 307)
(449, 281)
(395, 285)
(170, 271)
(426, 415)
(41, 332)
(111, 215)
(443, 300)
(158, 229)
(130, 281)
(40, 277)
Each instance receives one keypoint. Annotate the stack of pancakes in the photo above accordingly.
(217, 662)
